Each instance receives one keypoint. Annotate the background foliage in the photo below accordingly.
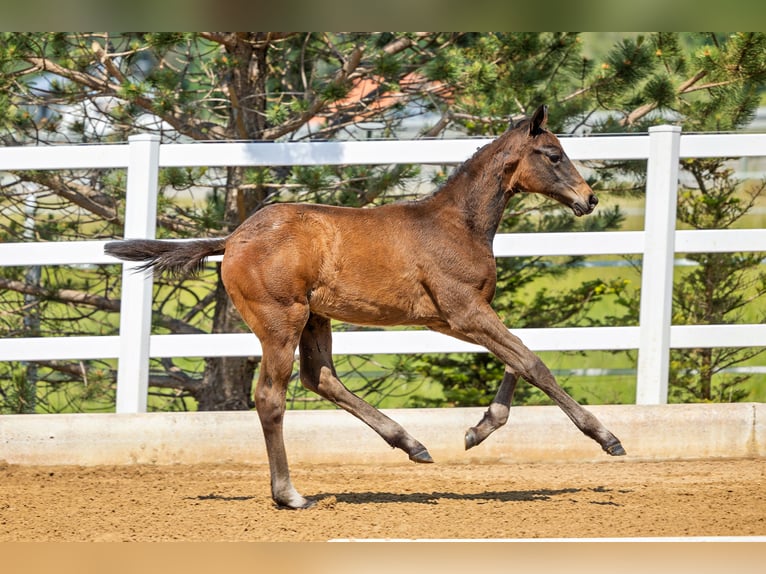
(102, 87)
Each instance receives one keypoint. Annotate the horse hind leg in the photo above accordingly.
(496, 414)
(317, 373)
(278, 324)
(270, 392)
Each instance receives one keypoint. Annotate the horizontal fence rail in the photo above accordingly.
(657, 245)
(386, 342)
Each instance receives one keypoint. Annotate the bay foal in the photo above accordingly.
(291, 268)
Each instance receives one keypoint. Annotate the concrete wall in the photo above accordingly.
(533, 434)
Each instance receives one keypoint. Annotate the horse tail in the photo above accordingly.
(178, 258)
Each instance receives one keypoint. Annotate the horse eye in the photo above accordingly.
(554, 157)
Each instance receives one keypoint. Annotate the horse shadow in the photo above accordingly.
(434, 497)
(431, 498)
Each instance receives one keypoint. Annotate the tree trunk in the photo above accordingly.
(227, 381)
(28, 394)
(706, 374)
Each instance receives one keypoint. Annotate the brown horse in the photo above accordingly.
(291, 268)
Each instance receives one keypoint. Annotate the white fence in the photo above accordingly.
(662, 147)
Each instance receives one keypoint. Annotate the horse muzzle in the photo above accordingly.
(580, 207)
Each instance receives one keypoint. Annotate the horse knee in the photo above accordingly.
(531, 368)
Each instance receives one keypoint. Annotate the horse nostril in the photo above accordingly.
(593, 200)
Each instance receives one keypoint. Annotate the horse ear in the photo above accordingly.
(539, 119)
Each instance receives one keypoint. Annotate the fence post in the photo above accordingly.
(136, 307)
(657, 269)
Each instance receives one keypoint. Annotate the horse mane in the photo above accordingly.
(467, 165)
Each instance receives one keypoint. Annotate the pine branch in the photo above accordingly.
(176, 379)
(93, 201)
(75, 297)
(687, 85)
(181, 121)
(81, 196)
(684, 88)
(401, 44)
(317, 103)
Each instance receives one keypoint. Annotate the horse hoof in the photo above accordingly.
(615, 449)
(470, 439)
(308, 504)
(421, 456)
(305, 504)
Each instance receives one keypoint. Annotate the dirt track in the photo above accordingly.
(221, 502)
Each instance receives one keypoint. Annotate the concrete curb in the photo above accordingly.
(533, 434)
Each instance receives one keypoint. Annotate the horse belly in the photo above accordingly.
(374, 303)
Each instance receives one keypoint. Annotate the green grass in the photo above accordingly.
(757, 389)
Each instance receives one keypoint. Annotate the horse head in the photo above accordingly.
(536, 163)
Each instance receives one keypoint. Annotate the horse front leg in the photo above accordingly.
(540, 376)
(317, 373)
(484, 327)
(496, 414)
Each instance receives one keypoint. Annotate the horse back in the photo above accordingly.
(363, 266)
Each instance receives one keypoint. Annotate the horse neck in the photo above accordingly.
(475, 190)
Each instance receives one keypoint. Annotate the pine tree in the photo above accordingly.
(703, 82)
(102, 87)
